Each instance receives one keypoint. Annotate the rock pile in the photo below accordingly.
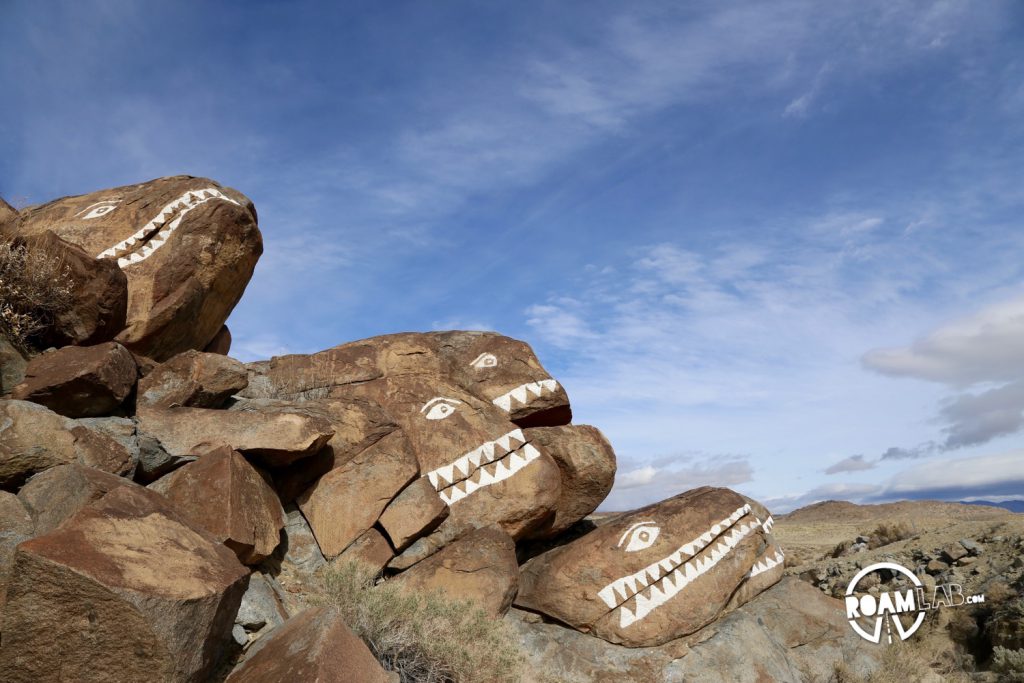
(153, 488)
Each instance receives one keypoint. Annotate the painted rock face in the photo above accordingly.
(479, 463)
(187, 246)
(495, 369)
(653, 575)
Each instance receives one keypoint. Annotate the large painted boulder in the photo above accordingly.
(188, 247)
(493, 368)
(653, 575)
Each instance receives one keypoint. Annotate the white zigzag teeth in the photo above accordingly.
(525, 393)
(159, 229)
(679, 566)
(768, 563)
(483, 466)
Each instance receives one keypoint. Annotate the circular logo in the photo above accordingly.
(885, 609)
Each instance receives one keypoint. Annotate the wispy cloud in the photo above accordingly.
(854, 463)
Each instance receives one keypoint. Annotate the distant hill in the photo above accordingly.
(1011, 505)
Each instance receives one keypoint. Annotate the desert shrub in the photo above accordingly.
(34, 289)
(424, 637)
(887, 533)
(1008, 663)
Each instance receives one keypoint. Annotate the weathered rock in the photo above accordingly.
(12, 366)
(222, 493)
(416, 511)
(480, 566)
(653, 575)
(953, 552)
(99, 294)
(193, 378)
(495, 369)
(32, 439)
(80, 381)
(790, 633)
(301, 554)
(15, 527)
(123, 591)
(187, 246)
(261, 607)
(370, 549)
(347, 501)
(97, 449)
(221, 342)
(586, 462)
(60, 492)
(314, 645)
(276, 438)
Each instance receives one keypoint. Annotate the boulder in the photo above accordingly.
(414, 512)
(126, 591)
(314, 645)
(347, 501)
(60, 492)
(790, 633)
(221, 342)
(15, 527)
(275, 438)
(186, 245)
(12, 366)
(300, 553)
(371, 549)
(225, 495)
(80, 381)
(99, 294)
(193, 378)
(261, 608)
(97, 449)
(953, 552)
(480, 567)
(151, 461)
(586, 463)
(652, 575)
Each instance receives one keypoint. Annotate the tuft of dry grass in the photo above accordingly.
(886, 533)
(35, 287)
(1009, 664)
(424, 637)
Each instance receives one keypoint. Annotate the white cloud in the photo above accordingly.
(854, 463)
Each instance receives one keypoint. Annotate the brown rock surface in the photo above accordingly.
(652, 575)
(314, 645)
(221, 342)
(276, 438)
(347, 501)
(416, 511)
(370, 549)
(193, 378)
(99, 292)
(12, 366)
(15, 527)
(187, 246)
(123, 591)
(80, 381)
(586, 462)
(480, 566)
(95, 448)
(225, 495)
(33, 438)
(60, 492)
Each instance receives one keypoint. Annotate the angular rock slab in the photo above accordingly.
(371, 549)
(124, 591)
(347, 501)
(61, 492)
(225, 495)
(12, 366)
(481, 567)
(653, 575)
(314, 645)
(275, 438)
(586, 463)
(414, 512)
(15, 526)
(193, 378)
(495, 369)
(80, 381)
(187, 245)
(33, 438)
(99, 294)
(221, 342)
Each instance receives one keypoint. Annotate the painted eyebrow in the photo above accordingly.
(626, 532)
(437, 399)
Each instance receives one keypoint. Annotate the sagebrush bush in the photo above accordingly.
(35, 287)
(424, 637)
(885, 534)
(1009, 664)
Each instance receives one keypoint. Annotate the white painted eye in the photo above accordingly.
(98, 209)
(439, 408)
(485, 360)
(640, 536)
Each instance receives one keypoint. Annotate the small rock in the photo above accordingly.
(964, 561)
(936, 567)
(80, 381)
(953, 552)
(261, 605)
(193, 378)
(971, 546)
(239, 635)
(371, 549)
(301, 550)
(414, 512)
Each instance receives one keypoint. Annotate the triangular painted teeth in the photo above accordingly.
(525, 393)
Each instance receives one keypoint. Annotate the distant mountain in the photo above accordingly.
(1011, 505)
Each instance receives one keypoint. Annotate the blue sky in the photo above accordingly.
(774, 246)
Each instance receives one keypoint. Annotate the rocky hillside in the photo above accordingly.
(168, 513)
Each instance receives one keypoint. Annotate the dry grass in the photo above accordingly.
(1009, 664)
(425, 638)
(34, 289)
